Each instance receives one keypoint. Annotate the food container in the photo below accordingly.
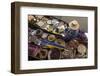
(43, 53)
(81, 49)
(33, 50)
(54, 54)
(51, 37)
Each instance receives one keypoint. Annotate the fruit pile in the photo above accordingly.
(51, 38)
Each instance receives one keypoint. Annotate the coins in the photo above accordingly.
(74, 25)
(82, 49)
